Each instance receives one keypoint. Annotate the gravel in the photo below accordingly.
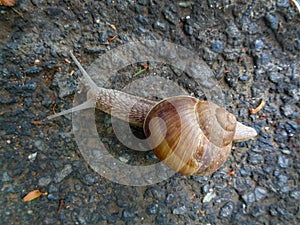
(252, 48)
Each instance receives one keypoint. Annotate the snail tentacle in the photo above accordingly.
(84, 73)
(85, 105)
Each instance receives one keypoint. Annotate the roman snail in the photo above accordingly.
(197, 135)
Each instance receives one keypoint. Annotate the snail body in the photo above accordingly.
(197, 135)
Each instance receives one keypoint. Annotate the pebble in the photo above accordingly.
(142, 20)
(210, 55)
(111, 32)
(128, 214)
(11, 129)
(66, 85)
(40, 49)
(258, 45)
(287, 110)
(244, 78)
(169, 16)
(53, 52)
(272, 21)
(295, 194)
(249, 26)
(160, 26)
(5, 177)
(273, 211)
(188, 29)
(179, 210)
(122, 203)
(209, 196)
(255, 159)
(275, 78)
(231, 53)
(44, 181)
(90, 179)
(260, 193)
(170, 198)
(227, 209)
(153, 193)
(39, 144)
(53, 188)
(282, 179)
(141, 30)
(206, 188)
(283, 3)
(152, 209)
(242, 184)
(248, 198)
(285, 189)
(293, 92)
(32, 70)
(283, 161)
(244, 173)
(78, 187)
(32, 156)
(286, 152)
(217, 46)
(29, 86)
(60, 175)
(233, 32)
(143, 2)
(47, 101)
(52, 197)
(257, 211)
(26, 128)
(124, 158)
(27, 103)
(185, 4)
(263, 59)
(102, 37)
(161, 219)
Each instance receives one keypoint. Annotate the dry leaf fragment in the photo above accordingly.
(37, 122)
(231, 172)
(112, 26)
(32, 195)
(61, 204)
(7, 2)
(112, 38)
(259, 107)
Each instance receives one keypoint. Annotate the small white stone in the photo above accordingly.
(32, 156)
(209, 196)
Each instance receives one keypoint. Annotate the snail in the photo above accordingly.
(197, 134)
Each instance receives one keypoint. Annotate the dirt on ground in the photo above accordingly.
(249, 48)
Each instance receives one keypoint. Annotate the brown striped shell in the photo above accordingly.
(198, 134)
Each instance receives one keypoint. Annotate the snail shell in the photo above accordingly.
(198, 134)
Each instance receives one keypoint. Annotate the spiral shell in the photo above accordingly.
(198, 134)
